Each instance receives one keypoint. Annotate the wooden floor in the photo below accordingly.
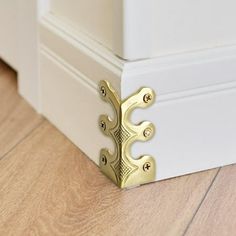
(49, 187)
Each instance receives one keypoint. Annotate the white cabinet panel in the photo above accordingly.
(160, 27)
(150, 28)
(93, 17)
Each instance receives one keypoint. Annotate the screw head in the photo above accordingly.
(147, 166)
(147, 98)
(103, 125)
(147, 132)
(103, 91)
(103, 159)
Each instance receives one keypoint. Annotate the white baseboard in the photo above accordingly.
(71, 104)
(194, 113)
(70, 72)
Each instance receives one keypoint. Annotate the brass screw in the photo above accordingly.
(103, 125)
(104, 159)
(147, 98)
(103, 91)
(147, 166)
(147, 132)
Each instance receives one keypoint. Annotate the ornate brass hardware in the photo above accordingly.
(119, 166)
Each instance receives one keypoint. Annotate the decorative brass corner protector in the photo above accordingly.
(119, 166)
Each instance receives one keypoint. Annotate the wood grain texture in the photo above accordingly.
(17, 118)
(48, 187)
(217, 215)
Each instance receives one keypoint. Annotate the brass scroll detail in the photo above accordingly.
(119, 166)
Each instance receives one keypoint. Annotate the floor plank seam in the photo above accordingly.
(200, 204)
(22, 139)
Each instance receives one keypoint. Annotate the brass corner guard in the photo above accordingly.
(119, 166)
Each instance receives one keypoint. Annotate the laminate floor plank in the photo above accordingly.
(217, 214)
(49, 187)
(17, 118)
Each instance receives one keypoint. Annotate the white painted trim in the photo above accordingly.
(172, 74)
(69, 85)
(182, 73)
(195, 96)
(78, 50)
(193, 133)
(71, 103)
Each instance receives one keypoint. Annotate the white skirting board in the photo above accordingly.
(194, 113)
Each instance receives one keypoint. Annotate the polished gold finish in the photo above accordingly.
(119, 166)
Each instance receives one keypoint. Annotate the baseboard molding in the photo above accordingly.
(71, 104)
(80, 51)
(193, 114)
